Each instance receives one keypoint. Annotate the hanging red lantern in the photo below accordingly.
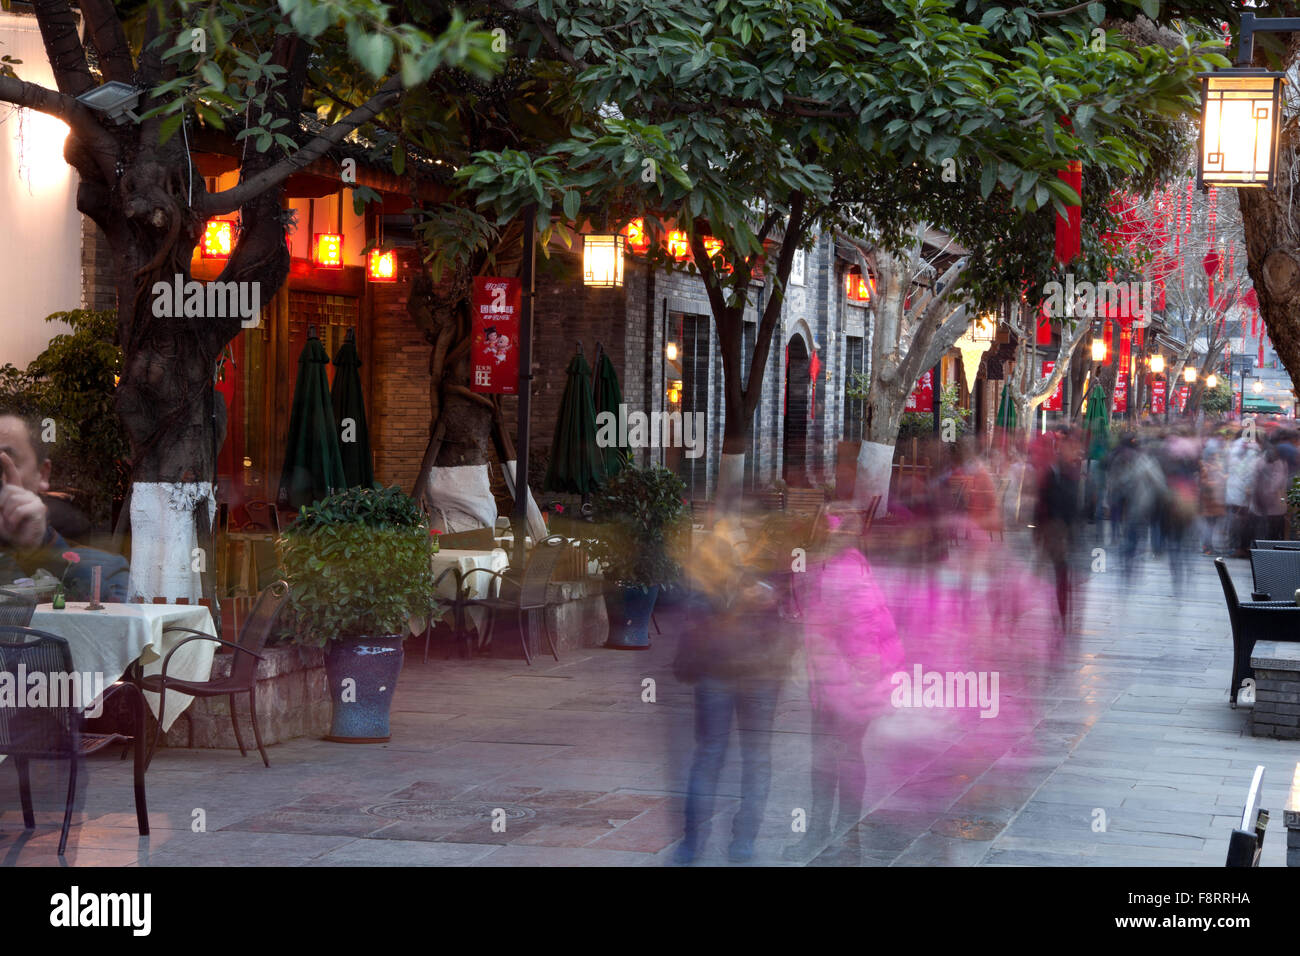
(1211, 263)
(1069, 228)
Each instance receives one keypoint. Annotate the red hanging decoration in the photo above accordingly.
(1069, 228)
(1044, 336)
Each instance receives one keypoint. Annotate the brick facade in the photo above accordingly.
(97, 289)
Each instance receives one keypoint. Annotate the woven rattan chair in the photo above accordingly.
(55, 731)
(523, 597)
(1276, 574)
(243, 669)
(16, 607)
(1253, 621)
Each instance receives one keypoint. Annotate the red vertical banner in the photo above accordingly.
(1053, 403)
(1119, 403)
(922, 397)
(494, 349)
(1158, 396)
(1183, 392)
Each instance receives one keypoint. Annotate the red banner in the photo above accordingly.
(1183, 392)
(922, 397)
(1158, 396)
(494, 351)
(1119, 404)
(1053, 404)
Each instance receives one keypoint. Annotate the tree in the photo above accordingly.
(229, 77)
(813, 116)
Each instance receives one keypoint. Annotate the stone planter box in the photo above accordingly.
(575, 615)
(1277, 690)
(292, 701)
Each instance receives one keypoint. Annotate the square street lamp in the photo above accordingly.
(114, 99)
(602, 261)
(1240, 114)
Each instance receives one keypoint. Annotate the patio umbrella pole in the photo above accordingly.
(526, 275)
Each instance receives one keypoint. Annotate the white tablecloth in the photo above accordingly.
(477, 585)
(107, 642)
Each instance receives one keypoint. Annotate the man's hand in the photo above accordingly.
(22, 512)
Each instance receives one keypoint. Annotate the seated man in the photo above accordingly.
(27, 541)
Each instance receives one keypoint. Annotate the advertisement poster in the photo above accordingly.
(922, 397)
(1158, 397)
(1120, 403)
(494, 351)
(1053, 404)
(1183, 392)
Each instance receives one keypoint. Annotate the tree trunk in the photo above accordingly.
(884, 413)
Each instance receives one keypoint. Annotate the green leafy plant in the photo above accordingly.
(358, 563)
(639, 512)
(1219, 398)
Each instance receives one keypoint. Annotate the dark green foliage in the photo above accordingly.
(358, 563)
(639, 512)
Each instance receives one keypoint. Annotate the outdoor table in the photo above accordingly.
(110, 640)
(476, 586)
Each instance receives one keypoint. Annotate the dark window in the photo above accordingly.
(854, 408)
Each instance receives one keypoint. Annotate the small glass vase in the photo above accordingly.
(60, 601)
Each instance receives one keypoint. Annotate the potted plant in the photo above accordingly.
(358, 566)
(639, 514)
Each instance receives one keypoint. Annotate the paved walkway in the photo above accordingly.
(1130, 721)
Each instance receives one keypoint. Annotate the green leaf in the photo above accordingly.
(399, 160)
(169, 127)
(572, 204)
(1097, 12)
(1151, 8)
(375, 53)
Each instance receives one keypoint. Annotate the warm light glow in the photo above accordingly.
(1099, 350)
(985, 328)
(712, 246)
(381, 265)
(602, 261)
(218, 239)
(248, 462)
(1211, 381)
(670, 351)
(1157, 364)
(857, 287)
(1257, 386)
(679, 247)
(327, 250)
(1189, 374)
(1239, 112)
(40, 142)
(637, 239)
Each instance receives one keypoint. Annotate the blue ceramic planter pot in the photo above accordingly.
(629, 612)
(362, 673)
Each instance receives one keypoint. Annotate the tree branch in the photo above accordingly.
(84, 123)
(110, 42)
(228, 200)
(63, 46)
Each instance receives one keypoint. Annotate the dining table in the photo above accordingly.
(472, 584)
(114, 638)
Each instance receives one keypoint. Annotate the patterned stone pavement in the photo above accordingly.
(1127, 725)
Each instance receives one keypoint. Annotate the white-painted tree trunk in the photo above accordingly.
(460, 498)
(536, 526)
(166, 559)
(731, 482)
(875, 467)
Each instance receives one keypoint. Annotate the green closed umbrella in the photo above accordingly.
(1096, 423)
(576, 460)
(1006, 409)
(609, 397)
(350, 416)
(313, 465)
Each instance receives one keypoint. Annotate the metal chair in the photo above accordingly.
(243, 669)
(55, 731)
(457, 610)
(1253, 621)
(1276, 574)
(523, 596)
(16, 607)
(262, 515)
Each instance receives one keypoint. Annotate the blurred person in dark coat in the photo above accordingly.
(736, 649)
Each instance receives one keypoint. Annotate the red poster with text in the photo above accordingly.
(494, 349)
(1158, 397)
(922, 397)
(1053, 404)
(1120, 403)
(1183, 392)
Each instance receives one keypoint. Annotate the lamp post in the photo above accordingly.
(527, 272)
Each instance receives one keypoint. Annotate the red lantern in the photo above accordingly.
(218, 239)
(327, 250)
(381, 265)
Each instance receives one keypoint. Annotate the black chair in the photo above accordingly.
(1254, 621)
(525, 596)
(55, 731)
(243, 669)
(457, 603)
(1277, 545)
(16, 608)
(1276, 574)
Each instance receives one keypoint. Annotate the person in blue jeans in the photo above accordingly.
(736, 649)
